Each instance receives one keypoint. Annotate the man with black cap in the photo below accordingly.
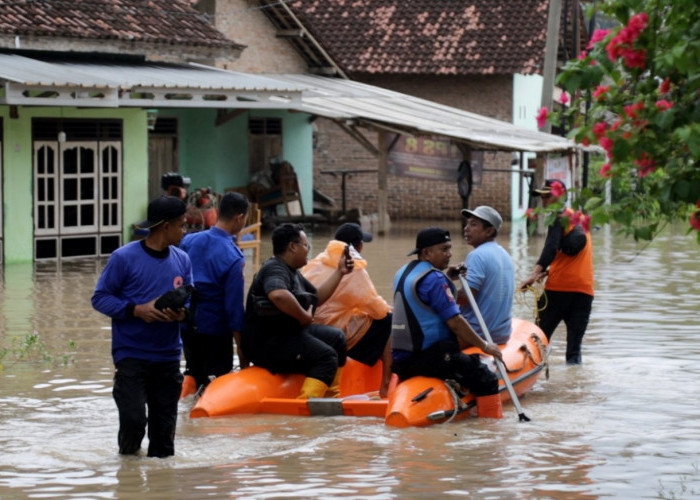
(428, 332)
(566, 261)
(146, 345)
(355, 307)
(489, 273)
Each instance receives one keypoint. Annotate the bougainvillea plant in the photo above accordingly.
(635, 92)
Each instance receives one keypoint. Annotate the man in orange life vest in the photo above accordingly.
(567, 263)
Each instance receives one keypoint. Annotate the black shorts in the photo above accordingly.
(371, 346)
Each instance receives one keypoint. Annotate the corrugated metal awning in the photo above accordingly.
(28, 81)
(382, 108)
(62, 83)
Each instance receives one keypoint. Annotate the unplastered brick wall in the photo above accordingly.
(244, 22)
(410, 198)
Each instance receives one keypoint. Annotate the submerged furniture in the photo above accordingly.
(253, 228)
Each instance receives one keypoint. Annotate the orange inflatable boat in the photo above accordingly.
(419, 401)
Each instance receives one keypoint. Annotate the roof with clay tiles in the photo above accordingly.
(171, 22)
(436, 37)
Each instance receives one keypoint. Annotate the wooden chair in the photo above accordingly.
(254, 227)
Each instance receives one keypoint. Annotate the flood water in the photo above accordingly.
(625, 424)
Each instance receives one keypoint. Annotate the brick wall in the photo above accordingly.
(409, 197)
(244, 22)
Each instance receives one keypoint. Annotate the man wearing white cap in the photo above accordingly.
(490, 275)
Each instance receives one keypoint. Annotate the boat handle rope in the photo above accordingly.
(456, 400)
(544, 354)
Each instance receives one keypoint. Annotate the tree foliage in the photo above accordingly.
(635, 92)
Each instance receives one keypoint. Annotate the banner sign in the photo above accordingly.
(558, 168)
(424, 157)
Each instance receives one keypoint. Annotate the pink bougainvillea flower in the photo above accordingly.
(556, 189)
(618, 123)
(632, 110)
(575, 218)
(663, 105)
(605, 171)
(564, 97)
(597, 36)
(646, 165)
(637, 23)
(695, 217)
(621, 43)
(542, 115)
(582, 55)
(607, 144)
(599, 129)
(600, 92)
(585, 141)
(635, 58)
(665, 86)
(530, 214)
(586, 222)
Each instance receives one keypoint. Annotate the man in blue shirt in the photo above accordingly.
(490, 275)
(146, 342)
(217, 265)
(428, 332)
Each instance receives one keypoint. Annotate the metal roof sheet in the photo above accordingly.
(125, 76)
(328, 97)
(345, 99)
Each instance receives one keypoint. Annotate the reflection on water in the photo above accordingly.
(625, 424)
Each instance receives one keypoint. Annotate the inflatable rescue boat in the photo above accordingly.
(418, 401)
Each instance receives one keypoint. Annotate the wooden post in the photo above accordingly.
(382, 200)
(550, 58)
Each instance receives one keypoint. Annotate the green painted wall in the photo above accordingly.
(212, 156)
(209, 155)
(18, 228)
(218, 156)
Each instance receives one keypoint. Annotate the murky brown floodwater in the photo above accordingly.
(625, 424)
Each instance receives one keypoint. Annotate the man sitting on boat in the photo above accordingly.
(355, 307)
(278, 333)
(428, 331)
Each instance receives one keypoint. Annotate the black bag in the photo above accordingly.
(574, 241)
(174, 299)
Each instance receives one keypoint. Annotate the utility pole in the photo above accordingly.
(549, 72)
(550, 57)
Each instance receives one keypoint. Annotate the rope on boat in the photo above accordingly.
(544, 354)
(453, 387)
(537, 290)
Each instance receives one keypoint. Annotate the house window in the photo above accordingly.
(264, 143)
(77, 188)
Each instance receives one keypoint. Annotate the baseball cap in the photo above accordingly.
(430, 236)
(162, 209)
(352, 233)
(547, 188)
(488, 214)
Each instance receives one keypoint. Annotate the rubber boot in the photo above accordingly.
(489, 406)
(312, 388)
(334, 389)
